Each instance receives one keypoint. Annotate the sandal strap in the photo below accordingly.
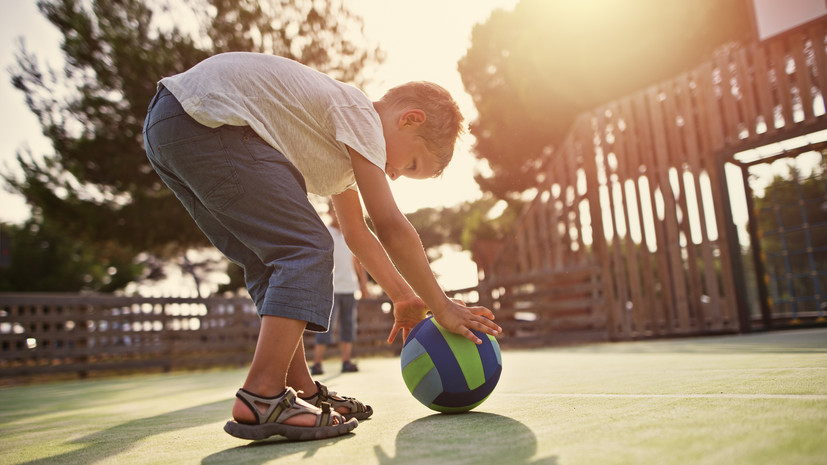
(325, 418)
(275, 405)
(324, 395)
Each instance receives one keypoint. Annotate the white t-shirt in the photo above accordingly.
(345, 280)
(306, 115)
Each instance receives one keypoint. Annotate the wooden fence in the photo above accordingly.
(637, 194)
(53, 334)
(75, 333)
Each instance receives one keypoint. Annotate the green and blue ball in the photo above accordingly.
(447, 372)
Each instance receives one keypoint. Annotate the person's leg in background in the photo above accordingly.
(323, 340)
(347, 329)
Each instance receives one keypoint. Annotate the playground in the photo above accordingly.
(742, 399)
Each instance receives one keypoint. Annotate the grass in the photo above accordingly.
(756, 399)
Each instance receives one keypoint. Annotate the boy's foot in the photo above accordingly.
(274, 416)
(349, 407)
(349, 367)
(316, 369)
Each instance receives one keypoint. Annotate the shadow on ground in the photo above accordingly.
(473, 437)
(117, 439)
(270, 450)
(467, 438)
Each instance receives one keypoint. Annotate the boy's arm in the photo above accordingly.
(362, 276)
(404, 247)
(408, 308)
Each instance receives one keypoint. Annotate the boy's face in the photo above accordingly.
(407, 154)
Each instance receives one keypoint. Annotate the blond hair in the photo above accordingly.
(443, 120)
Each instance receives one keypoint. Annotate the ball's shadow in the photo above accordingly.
(473, 437)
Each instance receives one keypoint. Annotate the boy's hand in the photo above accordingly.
(455, 317)
(406, 314)
(459, 319)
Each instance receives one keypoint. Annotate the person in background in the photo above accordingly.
(348, 273)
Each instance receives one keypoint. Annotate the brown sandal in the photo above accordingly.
(358, 410)
(280, 408)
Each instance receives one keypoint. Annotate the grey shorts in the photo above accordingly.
(251, 203)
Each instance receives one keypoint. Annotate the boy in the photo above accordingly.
(241, 138)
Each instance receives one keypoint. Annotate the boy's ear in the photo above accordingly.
(413, 118)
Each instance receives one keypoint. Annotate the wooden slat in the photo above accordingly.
(712, 109)
(676, 278)
(816, 34)
(746, 82)
(557, 252)
(727, 100)
(618, 274)
(802, 76)
(600, 250)
(571, 157)
(693, 159)
(531, 244)
(645, 309)
(664, 311)
(627, 168)
(523, 263)
(545, 239)
(778, 63)
(679, 138)
(761, 74)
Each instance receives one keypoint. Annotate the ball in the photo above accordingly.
(445, 371)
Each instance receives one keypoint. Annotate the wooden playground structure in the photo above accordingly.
(632, 234)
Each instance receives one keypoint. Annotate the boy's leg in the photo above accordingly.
(298, 376)
(277, 345)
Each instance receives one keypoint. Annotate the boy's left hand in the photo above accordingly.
(407, 313)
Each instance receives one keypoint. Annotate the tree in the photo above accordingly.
(40, 260)
(532, 70)
(461, 224)
(98, 188)
(792, 216)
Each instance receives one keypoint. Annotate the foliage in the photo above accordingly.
(461, 224)
(97, 188)
(788, 203)
(40, 260)
(532, 70)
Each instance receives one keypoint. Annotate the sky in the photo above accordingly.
(422, 40)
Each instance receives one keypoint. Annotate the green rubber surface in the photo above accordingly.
(754, 399)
